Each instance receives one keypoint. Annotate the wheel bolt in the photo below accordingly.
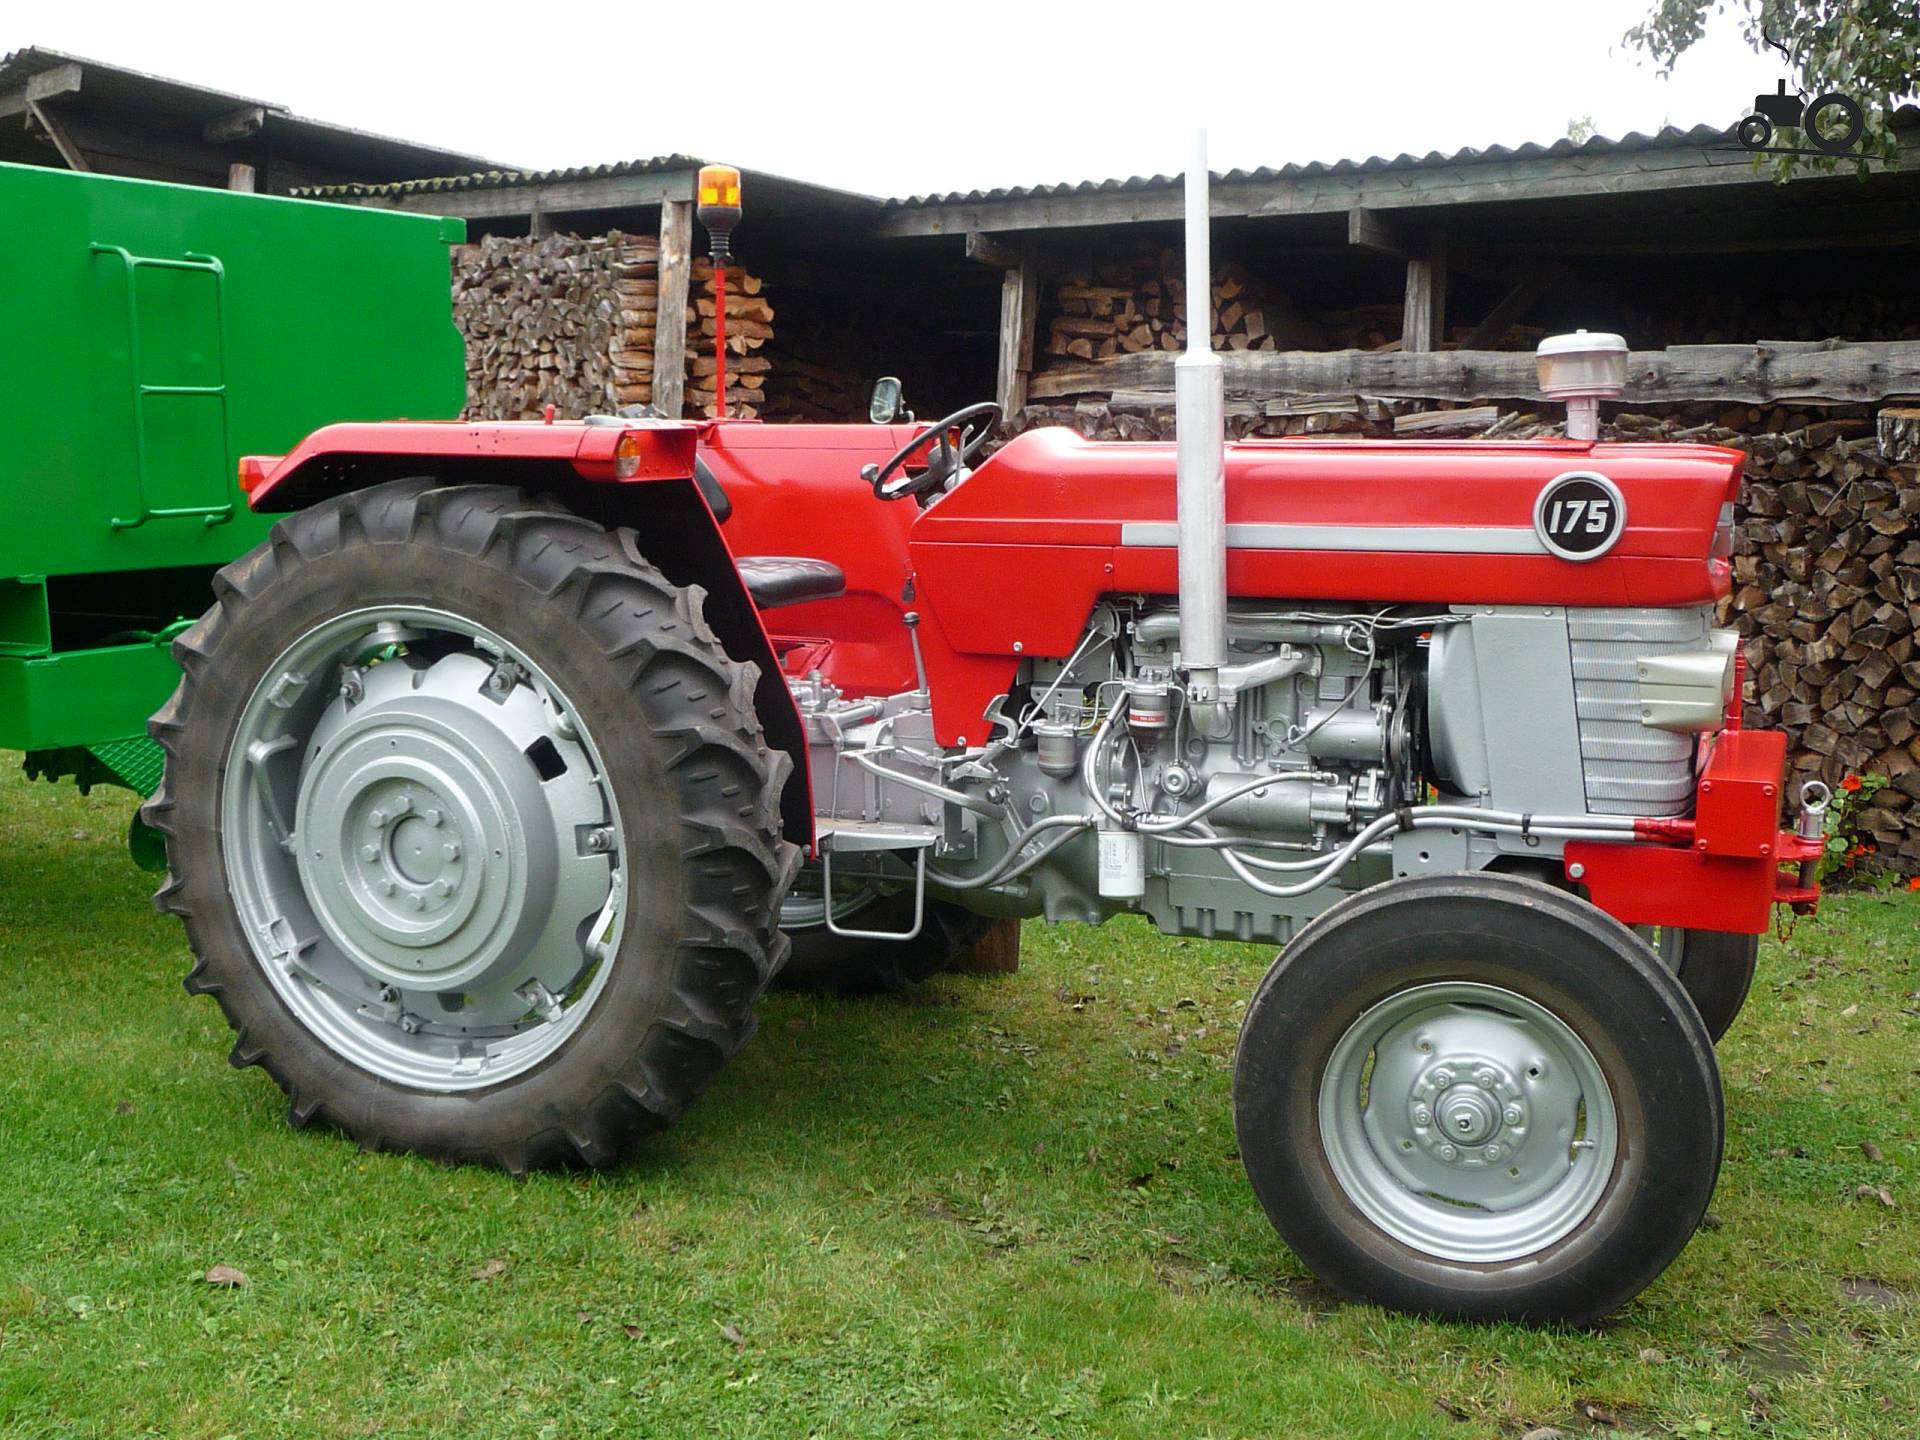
(1494, 1152)
(443, 887)
(451, 850)
(386, 887)
(1485, 1078)
(369, 852)
(1442, 1079)
(377, 819)
(404, 803)
(1511, 1114)
(434, 818)
(1447, 1152)
(417, 901)
(1422, 1115)
(600, 839)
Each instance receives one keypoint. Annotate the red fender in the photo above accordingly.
(638, 475)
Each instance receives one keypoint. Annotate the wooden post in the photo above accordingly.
(670, 320)
(1018, 302)
(56, 132)
(240, 177)
(538, 225)
(1425, 322)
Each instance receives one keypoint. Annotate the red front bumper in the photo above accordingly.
(1726, 868)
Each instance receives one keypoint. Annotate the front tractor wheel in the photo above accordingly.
(472, 826)
(1478, 1097)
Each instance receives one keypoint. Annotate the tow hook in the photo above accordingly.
(1814, 799)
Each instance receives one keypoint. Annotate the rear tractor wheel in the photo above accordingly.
(1478, 1097)
(472, 825)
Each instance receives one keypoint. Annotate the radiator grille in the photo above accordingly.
(1629, 769)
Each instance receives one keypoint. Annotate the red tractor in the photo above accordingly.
(503, 776)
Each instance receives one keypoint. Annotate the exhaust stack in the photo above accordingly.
(1200, 425)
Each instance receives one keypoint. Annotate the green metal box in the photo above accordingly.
(151, 335)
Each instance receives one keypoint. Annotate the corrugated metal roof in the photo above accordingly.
(185, 107)
(1670, 138)
(504, 179)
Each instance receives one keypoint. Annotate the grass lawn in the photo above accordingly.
(1003, 1206)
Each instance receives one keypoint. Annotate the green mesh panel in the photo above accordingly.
(135, 763)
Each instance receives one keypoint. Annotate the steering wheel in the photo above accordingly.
(949, 454)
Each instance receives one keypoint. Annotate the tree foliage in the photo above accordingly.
(1868, 49)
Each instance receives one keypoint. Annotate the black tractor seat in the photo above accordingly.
(774, 580)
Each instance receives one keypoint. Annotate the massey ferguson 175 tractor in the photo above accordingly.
(503, 775)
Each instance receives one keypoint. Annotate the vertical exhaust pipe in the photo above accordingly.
(1200, 428)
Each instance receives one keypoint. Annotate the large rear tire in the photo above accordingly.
(472, 825)
(1478, 1097)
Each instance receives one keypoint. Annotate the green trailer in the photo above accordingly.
(152, 335)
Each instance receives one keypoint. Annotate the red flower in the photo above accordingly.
(1914, 883)
(1852, 782)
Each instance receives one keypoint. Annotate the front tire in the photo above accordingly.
(472, 825)
(1716, 968)
(1478, 1097)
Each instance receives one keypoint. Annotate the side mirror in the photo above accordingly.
(885, 404)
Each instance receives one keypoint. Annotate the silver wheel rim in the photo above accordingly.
(1468, 1122)
(423, 848)
(803, 910)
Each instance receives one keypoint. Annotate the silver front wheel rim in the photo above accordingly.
(1468, 1122)
(423, 848)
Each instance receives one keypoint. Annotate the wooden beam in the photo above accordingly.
(1834, 372)
(130, 150)
(50, 125)
(1423, 321)
(1370, 230)
(240, 177)
(239, 124)
(60, 80)
(614, 192)
(1512, 308)
(1019, 289)
(670, 322)
(993, 250)
(1391, 188)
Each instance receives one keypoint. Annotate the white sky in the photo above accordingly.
(909, 96)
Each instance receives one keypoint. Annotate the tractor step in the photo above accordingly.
(849, 836)
(834, 836)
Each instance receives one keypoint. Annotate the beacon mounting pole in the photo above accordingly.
(718, 208)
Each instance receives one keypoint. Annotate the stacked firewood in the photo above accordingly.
(637, 284)
(749, 328)
(569, 321)
(1826, 565)
(1827, 590)
(544, 321)
(1123, 307)
(806, 390)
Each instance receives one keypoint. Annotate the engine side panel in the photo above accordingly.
(1015, 558)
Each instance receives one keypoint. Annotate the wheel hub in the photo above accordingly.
(1468, 1121)
(426, 846)
(1468, 1111)
(425, 853)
